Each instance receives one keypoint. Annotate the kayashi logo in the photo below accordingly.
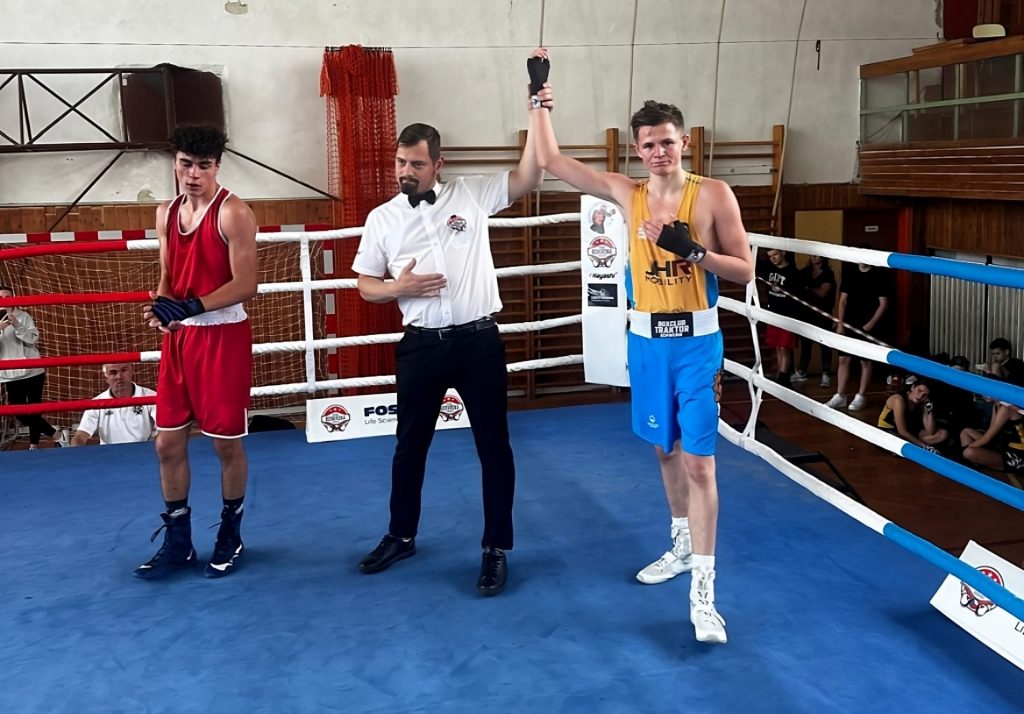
(335, 418)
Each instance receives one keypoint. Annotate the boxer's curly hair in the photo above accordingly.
(654, 113)
(199, 140)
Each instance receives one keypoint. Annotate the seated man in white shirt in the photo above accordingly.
(123, 424)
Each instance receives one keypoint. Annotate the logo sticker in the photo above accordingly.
(335, 418)
(451, 408)
(602, 252)
(975, 601)
(602, 295)
(599, 217)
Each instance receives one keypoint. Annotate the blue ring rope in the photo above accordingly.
(975, 272)
(956, 567)
(1003, 391)
(963, 475)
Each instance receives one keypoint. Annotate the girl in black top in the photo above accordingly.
(909, 415)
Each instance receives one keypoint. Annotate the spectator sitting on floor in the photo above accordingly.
(120, 425)
(910, 414)
(1001, 447)
(955, 408)
(1000, 361)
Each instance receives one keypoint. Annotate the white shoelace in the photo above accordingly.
(703, 594)
(665, 560)
(709, 615)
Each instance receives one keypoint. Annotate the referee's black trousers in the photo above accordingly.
(474, 364)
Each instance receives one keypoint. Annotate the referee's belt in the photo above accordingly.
(673, 324)
(447, 333)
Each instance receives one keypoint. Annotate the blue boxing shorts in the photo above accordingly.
(672, 381)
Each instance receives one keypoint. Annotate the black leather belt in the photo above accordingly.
(446, 333)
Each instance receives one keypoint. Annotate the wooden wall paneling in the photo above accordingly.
(982, 227)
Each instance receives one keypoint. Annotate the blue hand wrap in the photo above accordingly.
(167, 310)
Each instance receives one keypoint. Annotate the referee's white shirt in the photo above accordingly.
(124, 424)
(449, 237)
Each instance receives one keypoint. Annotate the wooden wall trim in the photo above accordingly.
(945, 53)
(945, 171)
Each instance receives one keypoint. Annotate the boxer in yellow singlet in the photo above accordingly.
(685, 233)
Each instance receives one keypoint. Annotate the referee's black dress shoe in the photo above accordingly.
(388, 551)
(493, 572)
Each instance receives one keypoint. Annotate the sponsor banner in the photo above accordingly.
(337, 418)
(974, 612)
(604, 246)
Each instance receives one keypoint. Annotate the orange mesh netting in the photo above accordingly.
(360, 85)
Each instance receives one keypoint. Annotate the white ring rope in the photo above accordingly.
(842, 253)
(383, 380)
(844, 503)
(389, 337)
(349, 283)
(295, 236)
(850, 345)
(810, 406)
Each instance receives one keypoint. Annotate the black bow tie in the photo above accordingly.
(429, 197)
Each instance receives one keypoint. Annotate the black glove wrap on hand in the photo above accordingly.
(167, 310)
(676, 239)
(538, 67)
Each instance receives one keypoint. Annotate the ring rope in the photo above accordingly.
(267, 391)
(1001, 596)
(271, 347)
(822, 313)
(111, 246)
(950, 469)
(383, 380)
(998, 275)
(293, 286)
(1002, 391)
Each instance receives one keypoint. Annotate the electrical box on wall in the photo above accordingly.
(154, 104)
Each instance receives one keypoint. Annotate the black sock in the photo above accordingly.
(174, 506)
(234, 504)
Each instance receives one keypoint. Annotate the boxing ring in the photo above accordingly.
(823, 616)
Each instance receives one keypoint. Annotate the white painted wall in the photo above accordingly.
(461, 67)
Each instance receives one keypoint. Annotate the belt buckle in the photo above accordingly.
(445, 333)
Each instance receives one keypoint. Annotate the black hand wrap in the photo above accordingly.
(538, 67)
(167, 310)
(676, 239)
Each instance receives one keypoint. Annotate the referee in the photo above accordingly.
(432, 239)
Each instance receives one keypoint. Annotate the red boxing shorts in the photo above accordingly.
(777, 337)
(205, 377)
